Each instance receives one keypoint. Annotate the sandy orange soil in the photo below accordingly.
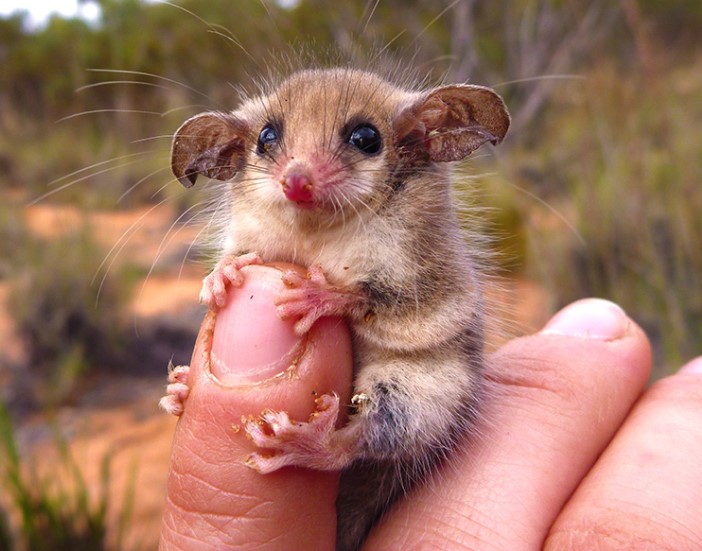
(118, 414)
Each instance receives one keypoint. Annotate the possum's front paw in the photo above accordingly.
(311, 297)
(315, 444)
(214, 287)
(177, 390)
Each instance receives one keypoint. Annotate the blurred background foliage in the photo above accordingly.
(595, 191)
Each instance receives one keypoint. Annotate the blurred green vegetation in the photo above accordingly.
(595, 191)
(56, 513)
(69, 314)
(631, 160)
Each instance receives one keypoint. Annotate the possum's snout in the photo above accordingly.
(298, 187)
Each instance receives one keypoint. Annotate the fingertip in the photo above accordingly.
(250, 342)
(693, 366)
(590, 318)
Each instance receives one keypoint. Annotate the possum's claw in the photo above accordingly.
(214, 286)
(311, 297)
(177, 390)
(315, 444)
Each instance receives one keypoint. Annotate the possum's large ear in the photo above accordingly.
(211, 144)
(449, 123)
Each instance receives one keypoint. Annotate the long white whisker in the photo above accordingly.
(113, 82)
(540, 77)
(151, 75)
(111, 110)
(83, 178)
(118, 247)
(163, 245)
(202, 230)
(370, 15)
(95, 165)
(552, 209)
(153, 138)
(428, 25)
(139, 182)
(214, 28)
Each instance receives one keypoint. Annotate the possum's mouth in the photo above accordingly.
(306, 205)
(304, 199)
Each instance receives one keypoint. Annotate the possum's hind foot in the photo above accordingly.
(177, 390)
(315, 444)
(226, 272)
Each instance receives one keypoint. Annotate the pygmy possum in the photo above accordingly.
(348, 173)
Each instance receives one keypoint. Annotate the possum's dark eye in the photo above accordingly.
(366, 138)
(266, 139)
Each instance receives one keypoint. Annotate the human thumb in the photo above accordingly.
(246, 360)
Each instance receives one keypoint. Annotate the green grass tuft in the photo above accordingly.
(55, 513)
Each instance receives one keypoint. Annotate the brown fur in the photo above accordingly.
(383, 229)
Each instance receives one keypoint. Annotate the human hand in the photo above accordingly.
(575, 453)
(571, 455)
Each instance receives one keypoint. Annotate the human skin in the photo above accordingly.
(574, 452)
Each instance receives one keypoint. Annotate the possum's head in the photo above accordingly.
(330, 140)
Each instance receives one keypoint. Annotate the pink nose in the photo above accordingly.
(298, 187)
